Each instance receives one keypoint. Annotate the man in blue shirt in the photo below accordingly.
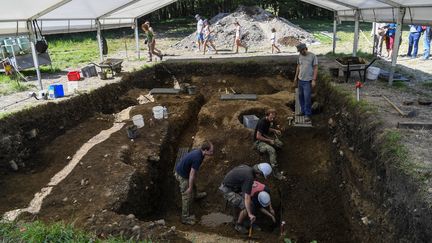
(185, 173)
(427, 42)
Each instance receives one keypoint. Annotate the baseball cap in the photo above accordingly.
(301, 46)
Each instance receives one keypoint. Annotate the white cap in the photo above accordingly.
(264, 198)
(265, 169)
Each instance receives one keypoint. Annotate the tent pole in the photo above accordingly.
(334, 31)
(375, 39)
(395, 53)
(137, 39)
(99, 39)
(356, 33)
(34, 53)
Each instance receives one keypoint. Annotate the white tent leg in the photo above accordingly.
(34, 53)
(137, 39)
(334, 32)
(36, 64)
(395, 52)
(356, 34)
(99, 39)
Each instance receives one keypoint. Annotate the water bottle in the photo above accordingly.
(165, 112)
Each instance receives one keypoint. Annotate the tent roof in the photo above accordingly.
(63, 16)
(417, 11)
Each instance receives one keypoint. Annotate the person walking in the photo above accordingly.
(413, 40)
(238, 38)
(390, 37)
(273, 41)
(186, 172)
(151, 41)
(199, 31)
(208, 37)
(378, 32)
(264, 142)
(237, 189)
(427, 42)
(305, 79)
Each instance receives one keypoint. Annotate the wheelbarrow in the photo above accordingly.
(351, 64)
(110, 65)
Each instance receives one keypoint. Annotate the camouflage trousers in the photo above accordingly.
(186, 197)
(264, 147)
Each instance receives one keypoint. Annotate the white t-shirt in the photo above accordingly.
(200, 25)
(238, 32)
(273, 38)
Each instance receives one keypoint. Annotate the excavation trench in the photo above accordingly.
(123, 186)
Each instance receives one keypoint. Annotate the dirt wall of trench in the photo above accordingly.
(385, 203)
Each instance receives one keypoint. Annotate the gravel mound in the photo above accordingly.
(256, 29)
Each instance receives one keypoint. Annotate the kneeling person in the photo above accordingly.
(186, 173)
(262, 201)
(237, 190)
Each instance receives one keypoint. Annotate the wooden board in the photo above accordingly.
(239, 97)
(415, 125)
(164, 91)
(299, 120)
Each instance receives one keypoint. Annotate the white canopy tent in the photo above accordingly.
(384, 11)
(68, 16)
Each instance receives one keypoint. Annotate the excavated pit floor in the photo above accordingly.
(135, 177)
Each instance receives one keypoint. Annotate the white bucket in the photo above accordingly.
(138, 121)
(158, 112)
(372, 73)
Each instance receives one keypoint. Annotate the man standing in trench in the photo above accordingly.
(265, 143)
(185, 173)
(305, 79)
(237, 190)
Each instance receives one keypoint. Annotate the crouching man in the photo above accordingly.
(186, 172)
(237, 190)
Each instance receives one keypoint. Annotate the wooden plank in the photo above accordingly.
(239, 97)
(164, 91)
(415, 125)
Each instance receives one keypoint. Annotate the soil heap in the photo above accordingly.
(256, 30)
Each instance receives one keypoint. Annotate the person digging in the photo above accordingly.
(237, 190)
(185, 173)
(265, 143)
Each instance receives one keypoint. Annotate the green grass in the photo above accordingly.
(10, 85)
(58, 232)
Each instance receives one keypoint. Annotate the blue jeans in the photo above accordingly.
(427, 42)
(305, 96)
(413, 42)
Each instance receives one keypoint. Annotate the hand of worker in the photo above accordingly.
(188, 191)
(272, 211)
(252, 218)
(278, 132)
(313, 83)
(272, 142)
(273, 219)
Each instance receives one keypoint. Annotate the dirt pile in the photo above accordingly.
(256, 26)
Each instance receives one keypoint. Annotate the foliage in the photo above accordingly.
(10, 85)
(427, 85)
(293, 9)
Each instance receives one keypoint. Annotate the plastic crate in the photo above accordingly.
(74, 76)
(89, 71)
(55, 91)
(250, 121)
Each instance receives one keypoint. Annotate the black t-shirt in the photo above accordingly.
(263, 126)
(240, 179)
